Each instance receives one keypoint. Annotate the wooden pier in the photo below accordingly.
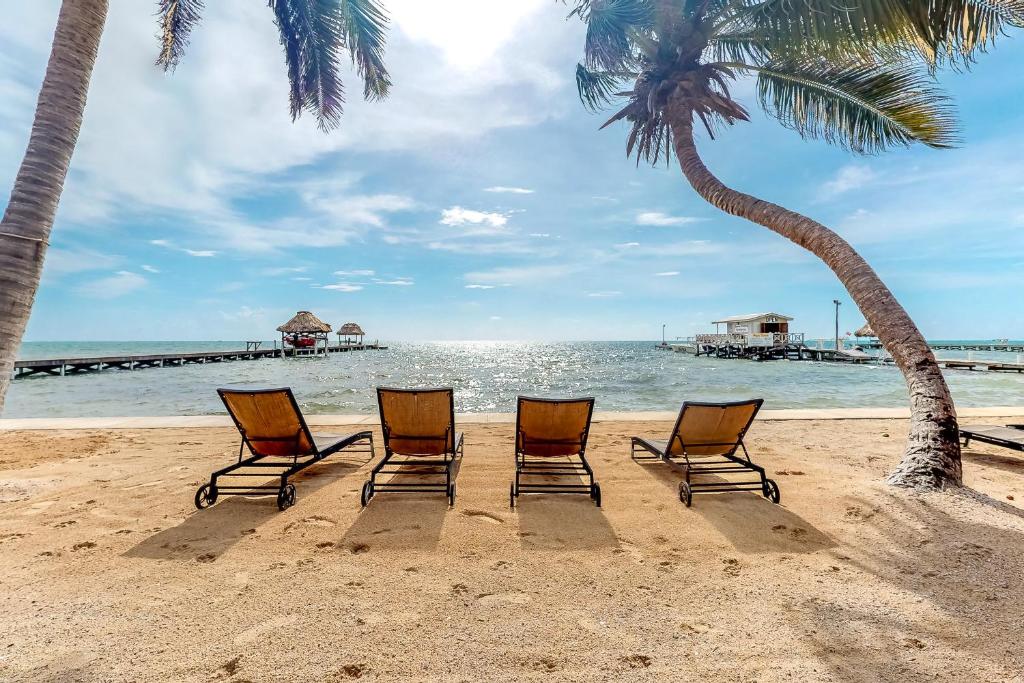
(956, 346)
(71, 366)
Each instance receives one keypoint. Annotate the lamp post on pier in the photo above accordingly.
(837, 303)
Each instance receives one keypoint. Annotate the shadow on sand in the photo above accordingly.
(749, 521)
(1008, 463)
(205, 534)
(551, 521)
(397, 520)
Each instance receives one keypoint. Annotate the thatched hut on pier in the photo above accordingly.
(349, 331)
(865, 332)
(305, 333)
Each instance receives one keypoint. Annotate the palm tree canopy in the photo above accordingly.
(314, 33)
(856, 73)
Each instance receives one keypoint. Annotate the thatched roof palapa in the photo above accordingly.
(351, 330)
(305, 322)
(865, 331)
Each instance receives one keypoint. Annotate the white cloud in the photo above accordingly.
(627, 245)
(149, 269)
(540, 234)
(354, 273)
(660, 219)
(359, 209)
(604, 295)
(400, 282)
(61, 261)
(343, 287)
(508, 190)
(200, 253)
(667, 273)
(521, 275)
(849, 177)
(283, 270)
(480, 286)
(117, 285)
(457, 216)
(495, 317)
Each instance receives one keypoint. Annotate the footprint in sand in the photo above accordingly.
(627, 548)
(318, 520)
(325, 545)
(351, 671)
(493, 599)
(358, 548)
(636, 661)
(84, 545)
(732, 567)
(484, 516)
(61, 525)
(252, 634)
(206, 558)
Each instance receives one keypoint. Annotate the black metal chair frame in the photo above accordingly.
(263, 466)
(968, 435)
(715, 464)
(395, 463)
(542, 465)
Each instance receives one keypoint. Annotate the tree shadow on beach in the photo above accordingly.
(749, 521)
(962, 572)
(1008, 463)
(210, 532)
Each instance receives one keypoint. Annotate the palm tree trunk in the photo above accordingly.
(932, 457)
(28, 218)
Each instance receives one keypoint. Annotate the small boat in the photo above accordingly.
(300, 342)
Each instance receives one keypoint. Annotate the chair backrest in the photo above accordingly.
(269, 421)
(550, 427)
(417, 421)
(712, 428)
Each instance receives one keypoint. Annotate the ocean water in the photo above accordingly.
(487, 377)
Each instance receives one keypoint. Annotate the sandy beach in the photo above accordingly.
(108, 573)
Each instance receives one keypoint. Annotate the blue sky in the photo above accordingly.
(480, 201)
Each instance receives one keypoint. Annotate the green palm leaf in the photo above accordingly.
(863, 106)
(364, 23)
(957, 30)
(597, 88)
(177, 19)
(610, 26)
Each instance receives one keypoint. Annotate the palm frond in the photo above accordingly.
(610, 24)
(862, 106)
(739, 46)
(177, 19)
(822, 26)
(597, 88)
(956, 30)
(364, 23)
(312, 37)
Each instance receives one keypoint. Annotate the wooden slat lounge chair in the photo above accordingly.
(551, 441)
(706, 437)
(279, 442)
(419, 439)
(1011, 436)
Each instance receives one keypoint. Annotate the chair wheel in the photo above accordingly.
(206, 496)
(771, 491)
(595, 493)
(286, 497)
(685, 493)
(512, 495)
(367, 493)
(451, 495)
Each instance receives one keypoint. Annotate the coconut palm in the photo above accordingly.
(855, 74)
(314, 33)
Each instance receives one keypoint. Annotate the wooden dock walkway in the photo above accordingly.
(70, 366)
(959, 346)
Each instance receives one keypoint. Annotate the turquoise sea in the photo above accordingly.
(487, 376)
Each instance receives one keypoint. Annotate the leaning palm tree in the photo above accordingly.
(313, 33)
(854, 73)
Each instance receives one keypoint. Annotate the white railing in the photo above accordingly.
(751, 339)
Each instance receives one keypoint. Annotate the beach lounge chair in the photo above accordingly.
(279, 442)
(706, 437)
(419, 439)
(1010, 436)
(551, 441)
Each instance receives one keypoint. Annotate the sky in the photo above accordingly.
(480, 201)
